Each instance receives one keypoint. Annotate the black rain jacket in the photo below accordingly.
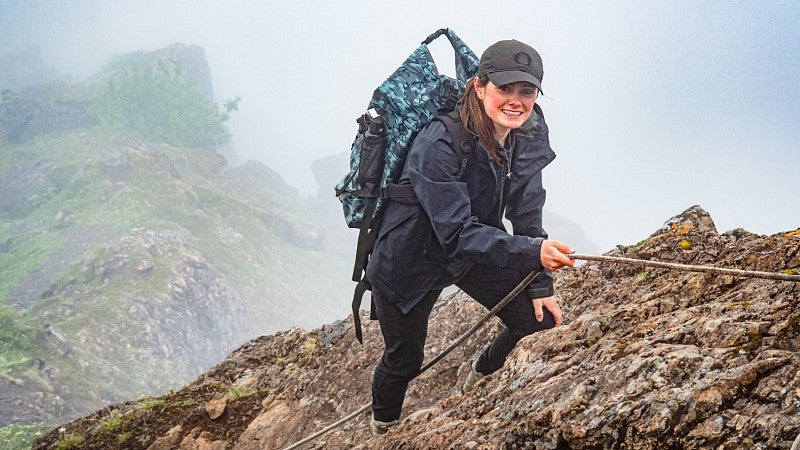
(457, 222)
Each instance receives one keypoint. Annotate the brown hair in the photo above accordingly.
(474, 117)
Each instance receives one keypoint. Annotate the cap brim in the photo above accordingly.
(513, 76)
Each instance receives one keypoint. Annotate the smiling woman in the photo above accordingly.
(455, 235)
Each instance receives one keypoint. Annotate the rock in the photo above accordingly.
(168, 441)
(24, 68)
(694, 219)
(216, 406)
(42, 109)
(201, 440)
(190, 62)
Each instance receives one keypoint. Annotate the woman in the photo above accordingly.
(455, 235)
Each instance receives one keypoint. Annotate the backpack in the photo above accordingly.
(411, 97)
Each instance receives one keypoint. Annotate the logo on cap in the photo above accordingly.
(523, 58)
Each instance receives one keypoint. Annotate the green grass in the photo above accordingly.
(122, 437)
(111, 422)
(70, 441)
(238, 392)
(19, 437)
(151, 403)
(17, 341)
(25, 254)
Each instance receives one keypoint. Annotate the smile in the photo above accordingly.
(511, 113)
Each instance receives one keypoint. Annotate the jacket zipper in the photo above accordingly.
(504, 178)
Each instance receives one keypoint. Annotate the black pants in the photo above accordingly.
(404, 334)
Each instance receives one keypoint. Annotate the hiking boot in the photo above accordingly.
(473, 377)
(378, 428)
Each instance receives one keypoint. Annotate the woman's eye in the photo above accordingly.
(528, 92)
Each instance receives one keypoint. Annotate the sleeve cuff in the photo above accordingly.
(543, 287)
(540, 292)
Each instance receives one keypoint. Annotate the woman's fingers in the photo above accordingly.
(549, 303)
(553, 255)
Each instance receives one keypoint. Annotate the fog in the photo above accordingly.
(652, 106)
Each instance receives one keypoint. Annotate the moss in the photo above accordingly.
(754, 341)
(744, 305)
(685, 244)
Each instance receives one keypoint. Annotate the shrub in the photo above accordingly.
(159, 105)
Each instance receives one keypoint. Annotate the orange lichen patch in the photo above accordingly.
(793, 233)
(682, 227)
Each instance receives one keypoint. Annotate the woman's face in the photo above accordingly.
(509, 106)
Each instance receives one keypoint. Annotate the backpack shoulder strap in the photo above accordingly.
(463, 141)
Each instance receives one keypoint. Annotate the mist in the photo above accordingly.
(652, 106)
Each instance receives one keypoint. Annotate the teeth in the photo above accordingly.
(512, 113)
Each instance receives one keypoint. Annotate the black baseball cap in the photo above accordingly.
(510, 61)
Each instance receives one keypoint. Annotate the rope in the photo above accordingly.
(688, 267)
(511, 295)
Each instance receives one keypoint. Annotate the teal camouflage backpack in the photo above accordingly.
(412, 96)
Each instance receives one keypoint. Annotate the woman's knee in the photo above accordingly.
(404, 359)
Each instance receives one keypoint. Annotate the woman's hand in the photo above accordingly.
(551, 305)
(553, 255)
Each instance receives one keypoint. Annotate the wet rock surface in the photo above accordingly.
(646, 359)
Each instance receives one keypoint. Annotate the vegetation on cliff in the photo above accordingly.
(159, 105)
(132, 257)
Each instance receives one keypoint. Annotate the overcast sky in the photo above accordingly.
(653, 106)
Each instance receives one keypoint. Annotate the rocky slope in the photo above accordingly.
(129, 266)
(134, 267)
(646, 359)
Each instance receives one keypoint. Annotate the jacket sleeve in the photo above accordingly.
(432, 167)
